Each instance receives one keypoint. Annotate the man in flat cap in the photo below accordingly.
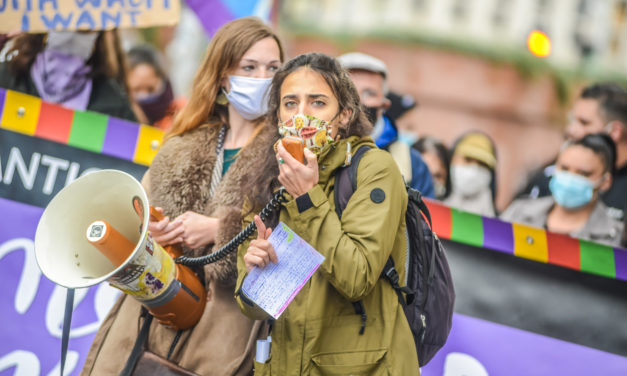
(369, 75)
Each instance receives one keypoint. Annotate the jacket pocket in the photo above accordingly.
(349, 363)
(262, 369)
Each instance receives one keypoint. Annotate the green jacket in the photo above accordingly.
(318, 334)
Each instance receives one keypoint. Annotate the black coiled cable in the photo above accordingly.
(272, 206)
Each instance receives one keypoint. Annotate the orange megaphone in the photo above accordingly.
(117, 247)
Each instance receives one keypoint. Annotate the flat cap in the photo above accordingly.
(358, 60)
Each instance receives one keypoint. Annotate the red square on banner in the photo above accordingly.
(442, 218)
(563, 250)
(55, 122)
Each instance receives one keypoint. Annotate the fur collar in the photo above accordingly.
(180, 176)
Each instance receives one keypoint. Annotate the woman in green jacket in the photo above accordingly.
(319, 332)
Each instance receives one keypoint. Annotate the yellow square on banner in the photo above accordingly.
(530, 242)
(148, 143)
(21, 112)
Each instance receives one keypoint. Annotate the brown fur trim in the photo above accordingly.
(180, 177)
(225, 270)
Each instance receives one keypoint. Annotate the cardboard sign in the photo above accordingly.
(44, 15)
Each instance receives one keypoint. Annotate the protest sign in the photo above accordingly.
(44, 15)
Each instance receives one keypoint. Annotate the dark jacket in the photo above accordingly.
(420, 175)
(600, 228)
(107, 97)
(318, 333)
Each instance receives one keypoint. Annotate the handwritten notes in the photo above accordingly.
(274, 287)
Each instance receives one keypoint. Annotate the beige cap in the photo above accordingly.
(477, 146)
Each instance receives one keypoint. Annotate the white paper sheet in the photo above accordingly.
(274, 287)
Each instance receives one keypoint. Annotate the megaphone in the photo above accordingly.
(96, 230)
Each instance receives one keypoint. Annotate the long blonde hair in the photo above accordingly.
(225, 51)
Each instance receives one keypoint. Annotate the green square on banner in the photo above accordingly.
(88, 131)
(467, 228)
(597, 259)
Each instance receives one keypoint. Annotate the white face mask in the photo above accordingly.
(72, 43)
(470, 179)
(249, 95)
(439, 190)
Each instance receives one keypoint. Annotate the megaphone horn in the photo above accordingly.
(96, 230)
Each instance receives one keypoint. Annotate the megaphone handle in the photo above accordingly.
(174, 250)
(155, 215)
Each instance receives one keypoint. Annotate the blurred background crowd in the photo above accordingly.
(530, 130)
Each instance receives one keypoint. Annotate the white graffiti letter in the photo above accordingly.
(54, 164)
(17, 162)
(31, 275)
(459, 364)
(25, 362)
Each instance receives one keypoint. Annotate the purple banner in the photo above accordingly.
(479, 348)
(31, 306)
(213, 14)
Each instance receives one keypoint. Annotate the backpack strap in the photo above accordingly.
(416, 196)
(133, 358)
(390, 274)
(345, 186)
(346, 181)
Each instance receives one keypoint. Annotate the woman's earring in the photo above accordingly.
(222, 99)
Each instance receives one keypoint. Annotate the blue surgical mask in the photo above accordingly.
(407, 137)
(249, 96)
(570, 190)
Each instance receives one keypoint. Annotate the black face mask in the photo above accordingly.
(371, 113)
(156, 105)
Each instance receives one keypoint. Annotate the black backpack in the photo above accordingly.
(429, 289)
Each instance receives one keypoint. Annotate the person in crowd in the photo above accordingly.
(436, 156)
(369, 75)
(218, 142)
(399, 106)
(601, 107)
(150, 87)
(319, 332)
(82, 70)
(473, 174)
(582, 172)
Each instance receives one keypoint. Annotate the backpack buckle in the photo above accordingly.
(392, 276)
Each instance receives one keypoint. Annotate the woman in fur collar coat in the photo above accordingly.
(200, 180)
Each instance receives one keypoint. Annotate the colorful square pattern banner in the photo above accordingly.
(528, 242)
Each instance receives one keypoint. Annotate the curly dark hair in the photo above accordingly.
(338, 80)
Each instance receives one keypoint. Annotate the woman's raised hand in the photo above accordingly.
(297, 178)
(260, 252)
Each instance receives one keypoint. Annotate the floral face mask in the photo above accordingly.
(314, 131)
